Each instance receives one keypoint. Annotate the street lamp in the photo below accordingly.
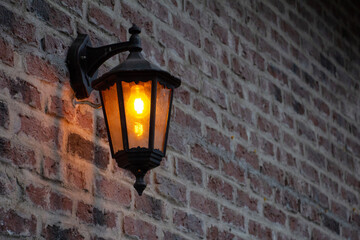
(136, 97)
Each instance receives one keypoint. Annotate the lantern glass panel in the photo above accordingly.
(137, 104)
(111, 109)
(162, 113)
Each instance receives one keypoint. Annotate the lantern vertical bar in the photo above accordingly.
(152, 113)
(122, 115)
(168, 121)
(107, 126)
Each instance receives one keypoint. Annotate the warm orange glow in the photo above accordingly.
(138, 107)
(139, 129)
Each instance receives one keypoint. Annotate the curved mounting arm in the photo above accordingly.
(83, 60)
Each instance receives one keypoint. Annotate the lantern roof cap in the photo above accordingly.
(135, 64)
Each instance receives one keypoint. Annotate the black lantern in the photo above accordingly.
(136, 98)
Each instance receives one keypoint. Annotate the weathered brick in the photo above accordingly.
(19, 155)
(92, 215)
(54, 231)
(51, 15)
(258, 230)
(38, 195)
(15, 224)
(60, 202)
(204, 205)
(170, 189)
(186, 222)
(6, 52)
(113, 191)
(243, 199)
(151, 206)
(188, 171)
(274, 214)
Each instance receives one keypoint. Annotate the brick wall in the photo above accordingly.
(265, 135)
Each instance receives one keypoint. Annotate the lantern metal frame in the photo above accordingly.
(83, 62)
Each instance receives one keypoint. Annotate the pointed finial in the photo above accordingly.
(140, 184)
(134, 30)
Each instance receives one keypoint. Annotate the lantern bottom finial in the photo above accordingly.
(140, 184)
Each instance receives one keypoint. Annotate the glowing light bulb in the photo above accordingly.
(139, 106)
(138, 129)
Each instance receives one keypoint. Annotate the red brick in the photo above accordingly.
(136, 17)
(51, 15)
(84, 119)
(263, 144)
(113, 191)
(329, 184)
(4, 115)
(317, 234)
(187, 121)
(242, 70)
(24, 30)
(185, 29)
(349, 197)
(220, 187)
(16, 224)
(258, 230)
(213, 233)
(218, 139)
(74, 5)
(204, 205)
(151, 206)
(188, 171)
(243, 199)
(38, 195)
(172, 42)
(173, 236)
(310, 212)
(221, 33)
(41, 68)
(299, 227)
(54, 231)
(250, 157)
(80, 146)
(268, 127)
(6, 52)
(209, 159)
(265, 47)
(159, 10)
(274, 214)
(310, 172)
(61, 108)
(259, 185)
(234, 128)
(217, 96)
(170, 189)
(241, 112)
(244, 31)
(259, 101)
(19, 155)
(186, 222)
(273, 172)
(75, 177)
(60, 202)
(234, 171)
(280, 40)
(288, 199)
(21, 90)
(305, 131)
(290, 31)
(202, 106)
(92, 215)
